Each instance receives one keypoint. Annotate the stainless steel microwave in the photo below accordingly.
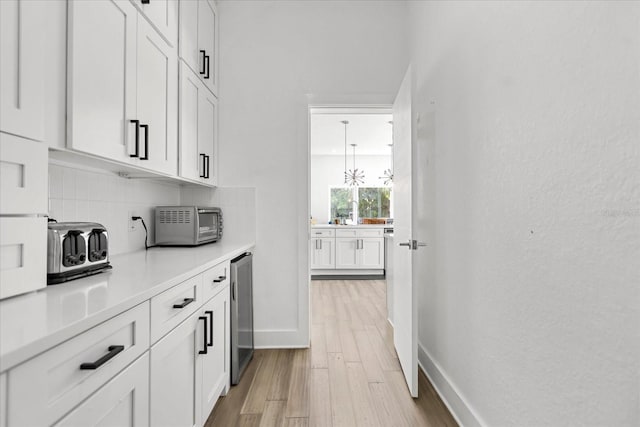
(187, 225)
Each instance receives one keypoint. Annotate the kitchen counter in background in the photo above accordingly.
(352, 226)
(32, 323)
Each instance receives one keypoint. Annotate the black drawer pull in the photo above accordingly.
(204, 165)
(145, 1)
(136, 152)
(219, 279)
(206, 60)
(185, 302)
(207, 162)
(146, 142)
(113, 351)
(210, 313)
(205, 335)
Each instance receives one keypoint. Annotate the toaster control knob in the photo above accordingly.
(81, 258)
(104, 254)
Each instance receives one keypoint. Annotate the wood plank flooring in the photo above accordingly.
(349, 377)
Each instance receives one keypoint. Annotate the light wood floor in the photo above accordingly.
(349, 377)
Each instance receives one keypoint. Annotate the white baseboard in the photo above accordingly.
(448, 392)
(282, 338)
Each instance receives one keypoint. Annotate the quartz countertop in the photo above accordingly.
(35, 322)
(352, 226)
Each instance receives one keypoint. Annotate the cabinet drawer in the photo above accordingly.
(23, 255)
(122, 402)
(349, 232)
(215, 279)
(370, 232)
(174, 305)
(23, 176)
(322, 233)
(47, 387)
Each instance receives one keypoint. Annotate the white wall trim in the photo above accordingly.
(461, 410)
(280, 338)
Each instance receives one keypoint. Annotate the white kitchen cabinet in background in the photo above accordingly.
(198, 129)
(350, 250)
(22, 71)
(371, 253)
(122, 86)
(122, 402)
(163, 15)
(199, 40)
(323, 253)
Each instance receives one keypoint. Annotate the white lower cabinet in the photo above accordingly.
(3, 400)
(190, 366)
(122, 402)
(360, 253)
(47, 388)
(323, 253)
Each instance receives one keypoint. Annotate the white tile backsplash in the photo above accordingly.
(81, 195)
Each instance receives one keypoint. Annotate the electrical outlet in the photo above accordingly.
(133, 225)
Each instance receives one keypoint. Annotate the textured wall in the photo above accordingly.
(530, 314)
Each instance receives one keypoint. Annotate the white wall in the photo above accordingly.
(531, 313)
(77, 194)
(276, 58)
(328, 171)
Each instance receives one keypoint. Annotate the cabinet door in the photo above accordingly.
(188, 40)
(102, 77)
(174, 402)
(23, 176)
(23, 255)
(208, 42)
(346, 252)
(3, 400)
(123, 401)
(214, 366)
(157, 99)
(191, 164)
(163, 14)
(21, 68)
(207, 135)
(371, 253)
(323, 253)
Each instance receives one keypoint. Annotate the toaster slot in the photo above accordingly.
(73, 249)
(98, 245)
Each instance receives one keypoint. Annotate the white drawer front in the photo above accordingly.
(215, 279)
(23, 255)
(322, 233)
(349, 232)
(174, 305)
(122, 402)
(370, 232)
(23, 176)
(48, 386)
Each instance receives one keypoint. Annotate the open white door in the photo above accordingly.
(405, 295)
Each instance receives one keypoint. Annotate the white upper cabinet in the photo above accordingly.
(163, 14)
(22, 69)
(101, 79)
(198, 129)
(122, 86)
(157, 100)
(199, 40)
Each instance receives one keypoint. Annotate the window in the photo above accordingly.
(372, 202)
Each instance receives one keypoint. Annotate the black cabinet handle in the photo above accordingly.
(204, 159)
(136, 152)
(145, 1)
(204, 59)
(205, 335)
(219, 279)
(210, 313)
(146, 142)
(207, 162)
(185, 302)
(233, 291)
(113, 351)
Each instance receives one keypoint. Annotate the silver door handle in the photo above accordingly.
(408, 244)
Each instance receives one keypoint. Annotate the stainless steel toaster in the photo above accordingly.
(76, 249)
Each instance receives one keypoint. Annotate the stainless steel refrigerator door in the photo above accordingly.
(241, 315)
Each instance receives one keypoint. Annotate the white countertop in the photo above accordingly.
(32, 323)
(352, 226)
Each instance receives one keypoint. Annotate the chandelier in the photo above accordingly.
(355, 176)
(387, 175)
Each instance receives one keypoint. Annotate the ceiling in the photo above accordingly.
(372, 133)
